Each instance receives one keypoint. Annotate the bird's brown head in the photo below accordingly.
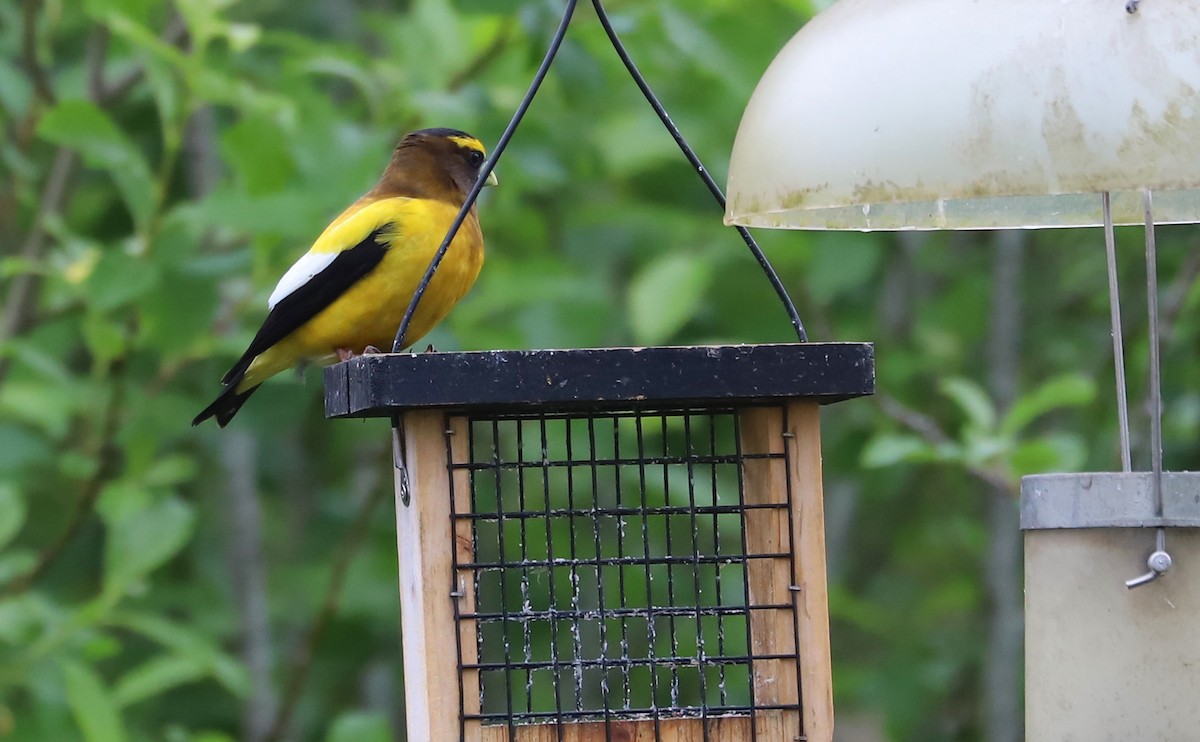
(441, 164)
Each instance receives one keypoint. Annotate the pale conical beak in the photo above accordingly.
(492, 179)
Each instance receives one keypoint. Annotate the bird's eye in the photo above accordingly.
(475, 158)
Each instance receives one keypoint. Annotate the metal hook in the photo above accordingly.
(398, 460)
(1158, 563)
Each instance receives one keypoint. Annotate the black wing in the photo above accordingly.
(307, 301)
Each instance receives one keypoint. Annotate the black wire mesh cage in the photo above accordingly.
(611, 544)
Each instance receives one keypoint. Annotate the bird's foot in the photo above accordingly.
(430, 349)
(345, 354)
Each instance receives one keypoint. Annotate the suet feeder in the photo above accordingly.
(942, 114)
(611, 544)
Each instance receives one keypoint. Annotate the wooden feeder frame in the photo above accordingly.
(772, 391)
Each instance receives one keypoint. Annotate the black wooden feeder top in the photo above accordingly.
(599, 378)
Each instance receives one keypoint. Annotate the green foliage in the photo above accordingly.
(666, 294)
(95, 710)
(165, 161)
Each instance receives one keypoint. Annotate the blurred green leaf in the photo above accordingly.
(258, 155)
(105, 337)
(972, 400)
(22, 617)
(119, 278)
(169, 471)
(43, 404)
(1069, 390)
(81, 126)
(12, 512)
(838, 265)
(14, 562)
(155, 676)
(204, 19)
(141, 541)
(95, 712)
(15, 88)
(20, 447)
(888, 449)
(666, 294)
(135, 10)
(188, 643)
(984, 449)
(699, 46)
(360, 726)
(1057, 453)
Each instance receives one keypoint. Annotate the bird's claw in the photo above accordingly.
(430, 349)
(345, 354)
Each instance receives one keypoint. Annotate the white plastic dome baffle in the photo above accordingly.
(974, 114)
(985, 114)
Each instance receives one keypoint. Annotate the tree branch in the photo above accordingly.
(37, 75)
(927, 428)
(23, 292)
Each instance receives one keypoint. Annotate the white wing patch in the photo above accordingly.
(301, 272)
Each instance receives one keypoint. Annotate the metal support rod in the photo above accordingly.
(694, 159)
(1114, 303)
(486, 169)
(1159, 561)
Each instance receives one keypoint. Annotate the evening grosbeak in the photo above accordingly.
(349, 292)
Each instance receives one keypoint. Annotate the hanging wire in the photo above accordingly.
(398, 458)
(690, 154)
(1114, 303)
(1159, 561)
(490, 164)
(1155, 360)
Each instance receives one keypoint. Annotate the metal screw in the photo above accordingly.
(1131, 7)
(1159, 561)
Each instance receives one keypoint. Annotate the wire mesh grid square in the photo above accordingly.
(610, 570)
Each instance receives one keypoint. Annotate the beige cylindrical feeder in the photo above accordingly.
(994, 114)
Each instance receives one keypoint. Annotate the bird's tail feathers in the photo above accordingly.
(234, 375)
(225, 406)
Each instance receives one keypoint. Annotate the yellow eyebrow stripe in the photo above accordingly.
(468, 142)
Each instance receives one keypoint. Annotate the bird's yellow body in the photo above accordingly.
(353, 286)
(370, 312)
